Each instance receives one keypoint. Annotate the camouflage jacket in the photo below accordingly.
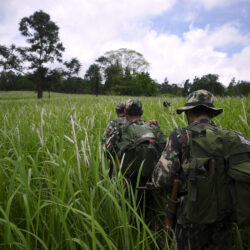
(174, 159)
(110, 134)
(161, 138)
(116, 135)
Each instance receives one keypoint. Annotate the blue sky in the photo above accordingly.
(180, 39)
(185, 15)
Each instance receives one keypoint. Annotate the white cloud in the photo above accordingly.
(90, 28)
(221, 36)
(86, 26)
(241, 63)
(195, 54)
(210, 4)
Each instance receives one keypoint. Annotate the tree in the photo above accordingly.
(143, 84)
(43, 36)
(53, 79)
(231, 87)
(10, 58)
(208, 82)
(73, 67)
(127, 59)
(165, 86)
(187, 87)
(93, 75)
(113, 77)
(119, 67)
(242, 88)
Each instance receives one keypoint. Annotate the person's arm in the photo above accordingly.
(168, 167)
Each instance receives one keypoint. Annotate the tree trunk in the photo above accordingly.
(39, 88)
(96, 86)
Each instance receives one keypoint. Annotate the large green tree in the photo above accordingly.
(44, 45)
(119, 67)
(209, 82)
(127, 59)
(143, 85)
(94, 78)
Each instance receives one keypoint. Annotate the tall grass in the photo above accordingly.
(55, 192)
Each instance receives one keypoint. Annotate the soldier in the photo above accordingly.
(111, 130)
(139, 145)
(136, 139)
(119, 137)
(121, 119)
(175, 163)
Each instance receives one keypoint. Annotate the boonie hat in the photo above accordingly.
(133, 107)
(120, 107)
(200, 98)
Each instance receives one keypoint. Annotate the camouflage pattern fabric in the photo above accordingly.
(120, 107)
(115, 136)
(174, 163)
(138, 131)
(146, 201)
(200, 98)
(111, 131)
(133, 107)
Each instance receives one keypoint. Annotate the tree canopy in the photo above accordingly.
(10, 58)
(119, 72)
(44, 44)
(126, 59)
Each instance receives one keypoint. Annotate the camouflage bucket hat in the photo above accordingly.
(120, 107)
(133, 107)
(200, 98)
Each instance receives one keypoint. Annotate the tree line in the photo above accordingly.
(117, 72)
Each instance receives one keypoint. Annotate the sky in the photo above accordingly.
(180, 39)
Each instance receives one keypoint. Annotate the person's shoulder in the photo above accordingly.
(179, 139)
(118, 121)
(140, 121)
(177, 132)
(122, 120)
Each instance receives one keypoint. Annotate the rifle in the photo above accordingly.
(149, 186)
(171, 208)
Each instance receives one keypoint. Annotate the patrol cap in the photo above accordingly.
(133, 107)
(120, 107)
(200, 98)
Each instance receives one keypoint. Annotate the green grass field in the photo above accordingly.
(55, 192)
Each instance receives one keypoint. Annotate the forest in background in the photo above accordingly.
(117, 72)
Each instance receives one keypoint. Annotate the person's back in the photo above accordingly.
(114, 125)
(198, 156)
(109, 135)
(141, 145)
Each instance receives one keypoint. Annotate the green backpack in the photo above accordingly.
(140, 144)
(218, 176)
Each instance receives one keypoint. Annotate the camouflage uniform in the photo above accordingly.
(133, 108)
(109, 135)
(174, 163)
(159, 136)
(146, 201)
(112, 135)
(113, 126)
(111, 130)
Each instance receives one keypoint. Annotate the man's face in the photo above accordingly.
(189, 117)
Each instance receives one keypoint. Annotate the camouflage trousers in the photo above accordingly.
(204, 237)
